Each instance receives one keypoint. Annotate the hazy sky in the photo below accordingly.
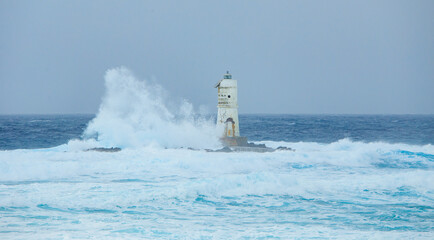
(288, 56)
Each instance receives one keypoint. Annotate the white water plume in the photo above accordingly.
(133, 113)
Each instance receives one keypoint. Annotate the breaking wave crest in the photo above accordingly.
(133, 113)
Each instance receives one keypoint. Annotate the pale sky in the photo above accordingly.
(315, 57)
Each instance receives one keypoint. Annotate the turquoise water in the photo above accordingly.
(376, 183)
(350, 177)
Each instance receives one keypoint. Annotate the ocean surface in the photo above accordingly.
(350, 177)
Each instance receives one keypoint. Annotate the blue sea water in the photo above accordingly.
(44, 131)
(350, 177)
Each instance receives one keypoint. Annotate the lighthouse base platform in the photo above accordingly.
(240, 144)
(234, 141)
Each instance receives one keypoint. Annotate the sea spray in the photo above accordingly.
(134, 113)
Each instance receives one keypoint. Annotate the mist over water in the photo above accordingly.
(133, 113)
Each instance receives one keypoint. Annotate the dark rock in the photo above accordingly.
(102, 149)
(281, 148)
(225, 149)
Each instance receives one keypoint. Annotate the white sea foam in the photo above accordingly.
(133, 113)
(153, 188)
(152, 192)
(62, 163)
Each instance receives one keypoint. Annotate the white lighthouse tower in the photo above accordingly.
(227, 118)
(227, 115)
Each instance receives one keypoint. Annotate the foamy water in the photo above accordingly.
(344, 189)
(157, 188)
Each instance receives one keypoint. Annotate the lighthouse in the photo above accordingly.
(227, 119)
(227, 114)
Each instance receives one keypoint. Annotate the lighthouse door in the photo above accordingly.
(230, 127)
